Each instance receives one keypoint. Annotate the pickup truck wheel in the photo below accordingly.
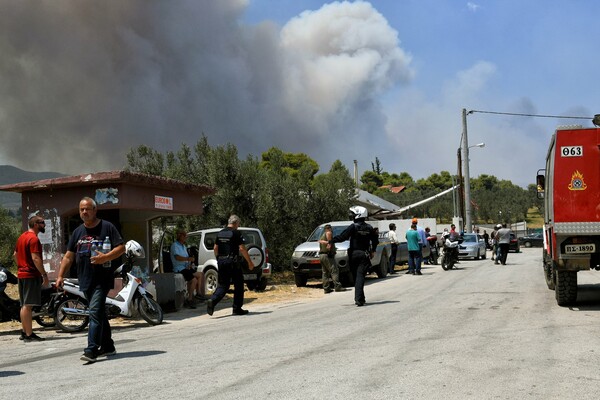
(300, 279)
(566, 287)
(384, 265)
(211, 280)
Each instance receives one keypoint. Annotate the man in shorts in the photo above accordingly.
(183, 264)
(31, 274)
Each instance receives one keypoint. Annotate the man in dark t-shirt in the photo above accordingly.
(95, 274)
(228, 246)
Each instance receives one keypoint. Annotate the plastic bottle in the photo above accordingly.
(105, 249)
(94, 249)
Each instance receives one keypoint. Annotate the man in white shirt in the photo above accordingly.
(394, 240)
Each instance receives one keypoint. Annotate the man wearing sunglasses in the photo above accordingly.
(31, 274)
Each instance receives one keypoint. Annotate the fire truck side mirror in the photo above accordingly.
(540, 181)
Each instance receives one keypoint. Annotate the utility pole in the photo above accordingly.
(466, 177)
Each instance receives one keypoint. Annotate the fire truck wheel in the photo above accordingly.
(549, 275)
(566, 287)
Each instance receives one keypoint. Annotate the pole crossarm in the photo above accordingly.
(527, 115)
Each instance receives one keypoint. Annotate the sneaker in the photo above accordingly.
(328, 290)
(418, 273)
(359, 303)
(239, 311)
(340, 289)
(210, 308)
(23, 336)
(32, 337)
(409, 272)
(103, 353)
(88, 357)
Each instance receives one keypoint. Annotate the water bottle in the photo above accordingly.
(105, 249)
(94, 249)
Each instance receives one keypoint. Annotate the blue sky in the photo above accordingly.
(357, 80)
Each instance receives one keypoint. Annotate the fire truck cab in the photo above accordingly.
(570, 187)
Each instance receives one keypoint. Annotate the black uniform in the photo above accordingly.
(363, 239)
(230, 267)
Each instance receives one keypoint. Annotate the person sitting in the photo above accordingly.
(183, 264)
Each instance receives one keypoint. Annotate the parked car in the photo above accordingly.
(306, 263)
(514, 243)
(402, 251)
(533, 240)
(200, 245)
(472, 246)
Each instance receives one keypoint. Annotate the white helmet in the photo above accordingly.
(358, 212)
(134, 249)
(498, 226)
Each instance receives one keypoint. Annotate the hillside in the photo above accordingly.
(10, 174)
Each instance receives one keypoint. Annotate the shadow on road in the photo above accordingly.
(588, 298)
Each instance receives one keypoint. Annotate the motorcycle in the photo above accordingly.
(449, 252)
(10, 309)
(434, 250)
(73, 315)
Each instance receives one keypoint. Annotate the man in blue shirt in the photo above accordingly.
(414, 250)
(183, 264)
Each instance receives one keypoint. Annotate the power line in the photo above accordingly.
(527, 115)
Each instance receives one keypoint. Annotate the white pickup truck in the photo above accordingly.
(306, 263)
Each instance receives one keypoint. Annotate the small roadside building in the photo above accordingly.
(127, 199)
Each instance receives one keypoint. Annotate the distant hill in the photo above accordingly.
(10, 174)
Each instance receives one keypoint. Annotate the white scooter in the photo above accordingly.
(72, 315)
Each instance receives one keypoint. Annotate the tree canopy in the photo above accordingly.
(285, 196)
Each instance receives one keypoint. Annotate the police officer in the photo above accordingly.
(363, 243)
(228, 246)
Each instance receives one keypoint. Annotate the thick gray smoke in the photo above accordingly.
(81, 82)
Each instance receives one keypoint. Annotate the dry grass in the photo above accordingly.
(534, 218)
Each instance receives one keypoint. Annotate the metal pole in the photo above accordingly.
(465, 160)
(461, 192)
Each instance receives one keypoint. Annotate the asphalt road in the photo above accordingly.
(480, 332)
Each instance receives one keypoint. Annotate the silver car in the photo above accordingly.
(473, 246)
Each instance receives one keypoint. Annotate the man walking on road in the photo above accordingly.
(228, 246)
(503, 238)
(96, 278)
(363, 244)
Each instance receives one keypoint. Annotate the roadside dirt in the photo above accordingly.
(281, 288)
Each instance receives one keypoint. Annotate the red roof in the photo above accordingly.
(121, 176)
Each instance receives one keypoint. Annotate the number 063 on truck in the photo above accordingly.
(570, 187)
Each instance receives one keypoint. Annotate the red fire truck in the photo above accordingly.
(570, 186)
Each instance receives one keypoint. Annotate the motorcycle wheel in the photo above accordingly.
(150, 310)
(72, 323)
(444, 263)
(44, 319)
